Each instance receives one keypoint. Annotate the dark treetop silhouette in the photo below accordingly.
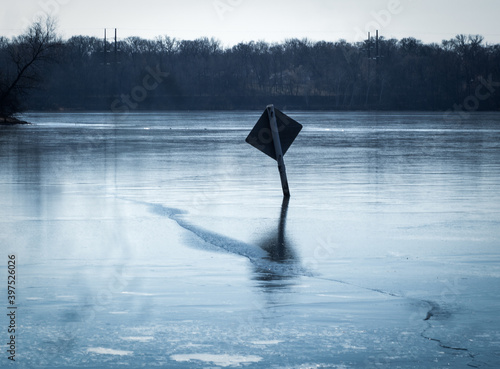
(24, 61)
(167, 74)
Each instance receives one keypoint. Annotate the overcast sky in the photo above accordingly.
(233, 21)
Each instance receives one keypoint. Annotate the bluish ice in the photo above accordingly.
(162, 240)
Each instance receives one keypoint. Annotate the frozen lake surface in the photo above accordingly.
(161, 240)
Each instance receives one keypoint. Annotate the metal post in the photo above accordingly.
(277, 148)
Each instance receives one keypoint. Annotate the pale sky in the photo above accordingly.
(233, 21)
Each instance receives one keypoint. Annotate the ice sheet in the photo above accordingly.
(171, 246)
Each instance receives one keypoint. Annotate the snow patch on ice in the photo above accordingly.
(138, 339)
(198, 345)
(336, 296)
(137, 293)
(107, 351)
(348, 346)
(271, 342)
(221, 360)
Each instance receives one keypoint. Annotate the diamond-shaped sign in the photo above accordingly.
(261, 136)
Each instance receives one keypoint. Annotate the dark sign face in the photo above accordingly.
(261, 136)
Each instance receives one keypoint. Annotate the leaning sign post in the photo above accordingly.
(273, 134)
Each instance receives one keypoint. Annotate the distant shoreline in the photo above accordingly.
(284, 108)
(11, 121)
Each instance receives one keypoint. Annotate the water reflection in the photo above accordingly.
(24, 155)
(279, 250)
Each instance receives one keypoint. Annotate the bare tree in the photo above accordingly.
(26, 56)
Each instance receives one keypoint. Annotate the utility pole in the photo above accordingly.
(116, 45)
(376, 57)
(115, 56)
(110, 78)
(105, 48)
(369, 52)
(369, 47)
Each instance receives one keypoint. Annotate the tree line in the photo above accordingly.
(87, 73)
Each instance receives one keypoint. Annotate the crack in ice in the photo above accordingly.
(258, 257)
